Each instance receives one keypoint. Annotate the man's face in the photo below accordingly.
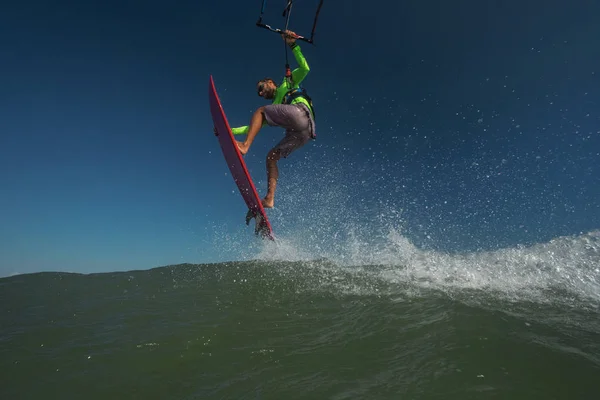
(266, 89)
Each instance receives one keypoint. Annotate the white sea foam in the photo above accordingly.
(321, 215)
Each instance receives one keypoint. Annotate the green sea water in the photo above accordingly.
(515, 324)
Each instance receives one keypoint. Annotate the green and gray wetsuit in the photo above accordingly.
(278, 116)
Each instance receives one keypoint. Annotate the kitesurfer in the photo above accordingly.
(291, 109)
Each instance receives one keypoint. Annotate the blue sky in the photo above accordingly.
(478, 120)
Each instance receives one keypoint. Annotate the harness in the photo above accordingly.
(293, 94)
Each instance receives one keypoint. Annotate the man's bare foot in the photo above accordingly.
(268, 203)
(242, 147)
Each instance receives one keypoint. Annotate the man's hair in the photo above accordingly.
(265, 80)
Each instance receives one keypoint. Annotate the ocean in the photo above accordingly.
(515, 323)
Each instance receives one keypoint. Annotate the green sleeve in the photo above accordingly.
(299, 73)
(242, 130)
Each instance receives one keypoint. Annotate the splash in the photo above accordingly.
(568, 264)
(361, 226)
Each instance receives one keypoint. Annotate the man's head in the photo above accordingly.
(266, 88)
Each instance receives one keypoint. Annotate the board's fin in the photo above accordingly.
(260, 226)
(249, 215)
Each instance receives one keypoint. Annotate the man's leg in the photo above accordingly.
(272, 176)
(257, 121)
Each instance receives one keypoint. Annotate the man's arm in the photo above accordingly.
(299, 73)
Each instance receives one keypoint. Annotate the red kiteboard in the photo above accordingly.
(237, 166)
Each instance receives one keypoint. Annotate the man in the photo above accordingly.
(291, 109)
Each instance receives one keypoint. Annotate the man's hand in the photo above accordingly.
(289, 37)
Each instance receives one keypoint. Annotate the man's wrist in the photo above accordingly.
(293, 45)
